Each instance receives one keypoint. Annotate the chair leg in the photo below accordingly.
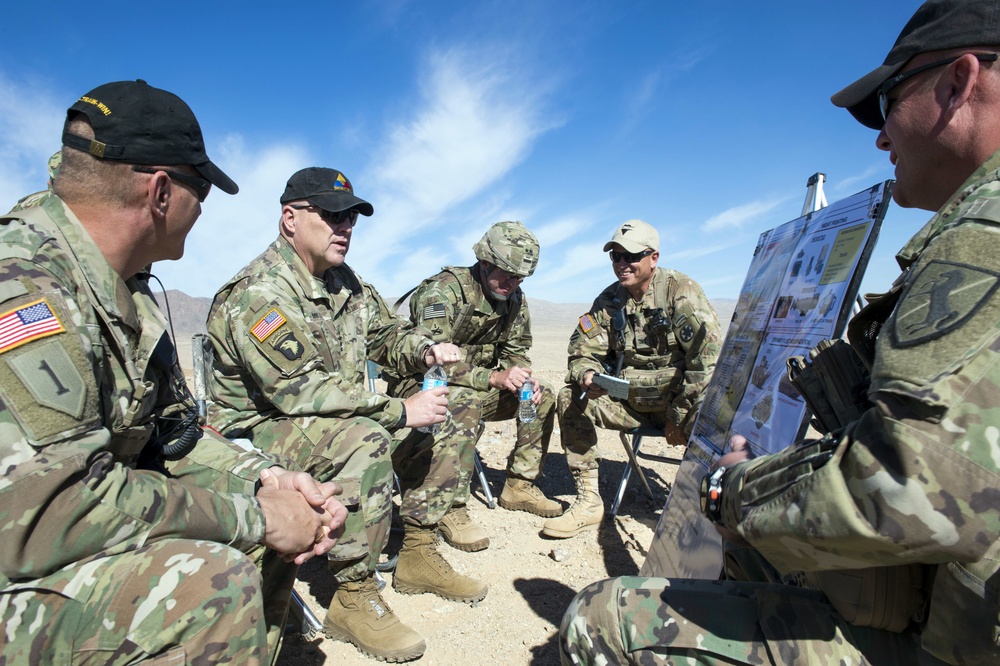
(309, 624)
(621, 491)
(490, 501)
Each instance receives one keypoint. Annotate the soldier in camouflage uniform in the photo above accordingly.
(481, 309)
(129, 533)
(654, 327)
(37, 198)
(895, 518)
(292, 333)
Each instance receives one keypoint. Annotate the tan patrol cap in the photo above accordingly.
(635, 236)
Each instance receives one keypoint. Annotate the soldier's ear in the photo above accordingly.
(288, 219)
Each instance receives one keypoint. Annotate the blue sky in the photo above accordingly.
(704, 119)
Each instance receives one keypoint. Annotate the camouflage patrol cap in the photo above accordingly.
(136, 123)
(509, 246)
(635, 236)
(937, 25)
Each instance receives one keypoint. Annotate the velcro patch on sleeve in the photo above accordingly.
(27, 323)
(268, 324)
(588, 325)
(434, 311)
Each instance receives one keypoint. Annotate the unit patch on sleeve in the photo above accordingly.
(289, 346)
(267, 325)
(434, 311)
(29, 322)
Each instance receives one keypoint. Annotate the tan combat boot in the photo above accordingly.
(586, 513)
(359, 615)
(421, 568)
(460, 532)
(522, 495)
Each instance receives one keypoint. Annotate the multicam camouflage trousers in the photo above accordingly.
(174, 601)
(434, 472)
(579, 420)
(354, 452)
(634, 620)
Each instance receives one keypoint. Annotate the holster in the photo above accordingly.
(886, 598)
(834, 383)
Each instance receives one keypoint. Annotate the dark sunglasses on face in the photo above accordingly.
(629, 257)
(506, 276)
(200, 185)
(885, 104)
(348, 217)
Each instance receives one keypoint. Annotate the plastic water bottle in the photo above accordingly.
(526, 408)
(433, 378)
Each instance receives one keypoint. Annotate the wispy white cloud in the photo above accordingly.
(234, 229)
(850, 185)
(739, 216)
(31, 118)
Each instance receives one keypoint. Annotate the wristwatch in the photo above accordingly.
(711, 495)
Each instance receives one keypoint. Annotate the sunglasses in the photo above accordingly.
(348, 217)
(506, 275)
(200, 185)
(885, 104)
(629, 257)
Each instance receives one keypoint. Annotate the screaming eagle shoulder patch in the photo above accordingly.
(267, 325)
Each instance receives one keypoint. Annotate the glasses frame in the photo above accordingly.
(201, 186)
(885, 104)
(333, 219)
(507, 276)
(629, 257)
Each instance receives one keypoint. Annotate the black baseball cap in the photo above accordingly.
(937, 25)
(328, 189)
(138, 124)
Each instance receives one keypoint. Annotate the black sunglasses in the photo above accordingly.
(630, 257)
(348, 217)
(200, 185)
(884, 103)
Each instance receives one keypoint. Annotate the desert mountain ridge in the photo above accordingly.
(188, 313)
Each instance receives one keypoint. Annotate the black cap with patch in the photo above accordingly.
(328, 189)
(138, 124)
(937, 25)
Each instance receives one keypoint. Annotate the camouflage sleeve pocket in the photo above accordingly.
(46, 379)
(282, 342)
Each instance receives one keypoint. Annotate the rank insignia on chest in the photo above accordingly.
(267, 325)
(434, 311)
(587, 323)
(26, 323)
(289, 346)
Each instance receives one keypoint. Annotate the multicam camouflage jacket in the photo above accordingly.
(917, 478)
(81, 393)
(668, 343)
(288, 343)
(493, 335)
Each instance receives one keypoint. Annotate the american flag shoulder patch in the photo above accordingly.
(27, 323)
(587, 323)
(268, 324)
(434, 311)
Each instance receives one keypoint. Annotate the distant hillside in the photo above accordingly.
(189, 312)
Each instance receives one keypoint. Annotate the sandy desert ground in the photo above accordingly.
(531, 578)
